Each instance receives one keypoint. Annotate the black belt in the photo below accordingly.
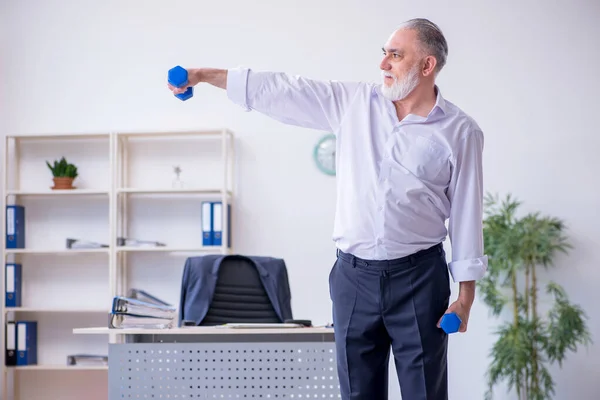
(412, 258)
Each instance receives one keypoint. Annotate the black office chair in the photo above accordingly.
(239, 296)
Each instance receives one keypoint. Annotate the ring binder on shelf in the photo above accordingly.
(10, 358)
(13, 285)
(15, 227)
(26, 342)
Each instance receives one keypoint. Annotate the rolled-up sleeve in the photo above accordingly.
(291, 99)
(465, 224)
(237, 79)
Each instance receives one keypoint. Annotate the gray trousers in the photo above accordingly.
(378, 305)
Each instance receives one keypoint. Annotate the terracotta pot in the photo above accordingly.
(61, 182)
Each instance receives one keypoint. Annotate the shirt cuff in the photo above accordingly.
(237, 81)
(468, 270)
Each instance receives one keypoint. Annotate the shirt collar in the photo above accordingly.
(440, 102)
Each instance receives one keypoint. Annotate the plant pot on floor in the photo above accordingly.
(63, 182)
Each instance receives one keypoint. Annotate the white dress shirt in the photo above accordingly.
(397, 181)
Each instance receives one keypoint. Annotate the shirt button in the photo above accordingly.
(379, 241)
(380, 208)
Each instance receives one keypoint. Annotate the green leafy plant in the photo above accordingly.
(517, 247)
(61, 168)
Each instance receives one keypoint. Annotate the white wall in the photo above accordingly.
(525, 71)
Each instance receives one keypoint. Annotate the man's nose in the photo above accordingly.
(385, 65)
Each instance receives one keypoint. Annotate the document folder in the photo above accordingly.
(87, 359)
(26, 342)
(13, 285)
(10, 358)
(141, 310)
(218, 222)
(136, 307)
(207, 223)
(15, 227)
(125, 321)
(142, 295)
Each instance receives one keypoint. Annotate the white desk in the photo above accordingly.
(221, 363)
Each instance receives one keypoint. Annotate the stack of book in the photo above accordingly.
(93, 360)
(141, 310)
(73, 243)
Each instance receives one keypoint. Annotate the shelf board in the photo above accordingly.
(96, 192)
(103, 250)
(168, 249)
(60, 192)
(175, 134)
(205, 192)
(59, 367)
(162, 249)
(55, 310)
(61, 136)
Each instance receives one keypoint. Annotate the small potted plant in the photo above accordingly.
(63, 174)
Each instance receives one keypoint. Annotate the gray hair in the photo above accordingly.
(432, 39)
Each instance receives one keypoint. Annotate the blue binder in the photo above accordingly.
(26, 342)
(207, 223)
(10, 341)
(12, 285)
(15, 227)
(217, 217)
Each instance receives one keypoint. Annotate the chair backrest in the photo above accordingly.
(239, 296)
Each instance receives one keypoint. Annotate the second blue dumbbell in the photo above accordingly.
(450, 323)
(178, 77)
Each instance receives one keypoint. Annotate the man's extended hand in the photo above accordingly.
(462, 305)
(214, 76)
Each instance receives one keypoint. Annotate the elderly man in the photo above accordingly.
(407, 161)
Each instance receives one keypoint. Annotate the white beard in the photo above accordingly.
(400, 89)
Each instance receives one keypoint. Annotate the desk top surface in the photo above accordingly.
(211, 330)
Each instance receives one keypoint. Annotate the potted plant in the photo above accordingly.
(518, 248)
(63, 173)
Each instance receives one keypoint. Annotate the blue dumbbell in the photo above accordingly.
(178, 77)
(450, 323)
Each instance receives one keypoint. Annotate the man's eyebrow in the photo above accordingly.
(391, 50)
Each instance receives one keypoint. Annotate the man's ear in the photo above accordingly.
(428, 66)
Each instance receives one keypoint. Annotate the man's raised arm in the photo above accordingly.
(294, 100)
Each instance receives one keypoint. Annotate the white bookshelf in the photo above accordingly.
(125, 189)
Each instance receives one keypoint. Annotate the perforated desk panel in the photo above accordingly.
(212, 363)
